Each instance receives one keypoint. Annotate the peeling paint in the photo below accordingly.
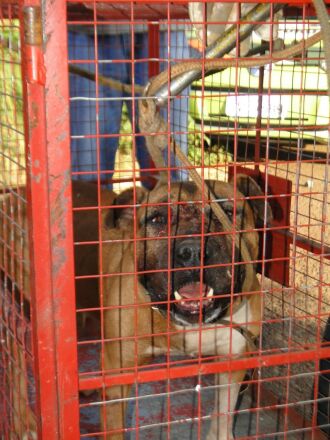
(36, 177)
(34, 118)
(58, 211)
(62, 136)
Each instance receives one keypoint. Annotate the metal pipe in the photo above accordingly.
(307, 243)
(224, 44)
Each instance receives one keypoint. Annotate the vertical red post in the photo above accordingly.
(50, 215)
(153, 37)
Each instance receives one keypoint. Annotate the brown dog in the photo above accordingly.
(14, 258)
(14, 243)
(181, 308)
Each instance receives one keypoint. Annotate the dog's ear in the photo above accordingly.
(249, 188)
(123, 217)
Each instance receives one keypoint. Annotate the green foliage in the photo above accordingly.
(212, 155)
(126, 139)
(12, 154)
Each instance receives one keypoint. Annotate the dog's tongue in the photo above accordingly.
(193, 290)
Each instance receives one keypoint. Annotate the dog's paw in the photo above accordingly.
(219, 436)
(30, 435)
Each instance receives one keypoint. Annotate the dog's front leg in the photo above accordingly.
(227, 390)
(119, 355)
(115, 412)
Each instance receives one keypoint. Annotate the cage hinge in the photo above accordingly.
(33, 52)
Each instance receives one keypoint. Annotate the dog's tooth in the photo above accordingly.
(177, 295)
(210, 292)
(229, 274)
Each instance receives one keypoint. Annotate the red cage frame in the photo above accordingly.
(49, 189)
(49, 193)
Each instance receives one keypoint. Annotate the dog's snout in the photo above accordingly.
(188, 253)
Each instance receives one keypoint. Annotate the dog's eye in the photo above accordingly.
(230, 213)
(156, 219)
(229, 209)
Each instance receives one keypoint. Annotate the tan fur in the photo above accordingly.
(14, 241)
(135, 324)
(129, 328)
(14, 258)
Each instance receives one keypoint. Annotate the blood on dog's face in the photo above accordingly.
(185, 260)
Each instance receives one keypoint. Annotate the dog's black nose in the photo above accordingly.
(188, 253)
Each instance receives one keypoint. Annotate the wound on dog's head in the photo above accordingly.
(185, 260)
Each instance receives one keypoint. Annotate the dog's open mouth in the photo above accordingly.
(193, 297)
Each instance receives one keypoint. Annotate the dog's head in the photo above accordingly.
(186, 262)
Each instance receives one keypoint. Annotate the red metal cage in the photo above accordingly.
(164, 221)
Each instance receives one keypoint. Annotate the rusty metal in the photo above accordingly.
(218, 49)
(32, 25)
(193, 369)
(43, 366)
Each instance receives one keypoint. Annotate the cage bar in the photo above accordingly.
(128, 300)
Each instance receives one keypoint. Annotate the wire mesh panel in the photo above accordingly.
(195, 323)
(164, 248)
(36, 286)
(17, 405)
